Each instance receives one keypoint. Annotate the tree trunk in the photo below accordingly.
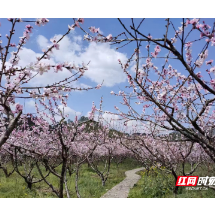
(103, 180)
(29, 185)
(5, 171)
(76, 183)
(176, 190)
(63, 170)
(103, 183)
(176, 187)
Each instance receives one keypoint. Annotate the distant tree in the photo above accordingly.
(83, 119)
(69, 121)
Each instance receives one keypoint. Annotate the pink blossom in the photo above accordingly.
(157, 49)
(81, 20)
(213, 41)
(154, 54)
(19, 20)
(213, 83)
(18, 108)
(109, 37)
(194, 21)
(26, 34)
(58, 67)
(201, 59)
(12, 45)
(44, 20)
(29, 28)
(95, 39)
(212, 70)
(72, 27)
(209, 62)
(199, 75)
(53, 40)
(188, 44)
(202, 34)
(98, 86)
(56, 45)
(94, 30)
(198, 26)
(173, 40)
(77, 24)
(187, 22)
(150, 37)
(41, 21)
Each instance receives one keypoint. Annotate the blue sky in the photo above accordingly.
(103, 57)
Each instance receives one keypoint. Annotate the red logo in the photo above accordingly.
(187, 181)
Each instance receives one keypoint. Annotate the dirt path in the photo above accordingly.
(121, 190)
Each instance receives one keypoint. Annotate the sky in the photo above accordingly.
(103, 58)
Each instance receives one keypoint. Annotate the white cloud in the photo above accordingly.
(27, 56)
(30, 104)
(104, 64)
(43, 42)
(103, 59)
(77, 39)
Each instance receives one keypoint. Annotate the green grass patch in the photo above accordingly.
(159, 185)
(90, 185)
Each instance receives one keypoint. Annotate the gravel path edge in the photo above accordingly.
(122, 189)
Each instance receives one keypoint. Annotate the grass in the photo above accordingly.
(153, 185)
(158, 185)
(90, 185)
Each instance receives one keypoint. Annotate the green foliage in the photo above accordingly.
(153, 184)
(92, 125)
(83, 119)
(156, 184)
(113, 132)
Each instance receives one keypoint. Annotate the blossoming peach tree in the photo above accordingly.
(39, 139)
(58, 150)
(171, 100)
(170, 156)
(15, 78)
